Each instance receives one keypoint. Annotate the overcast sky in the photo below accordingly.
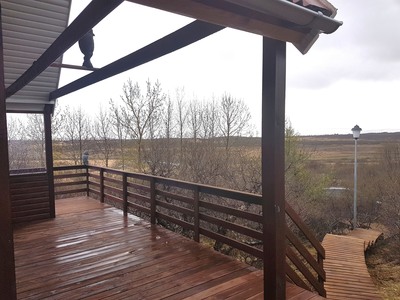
(349, 77)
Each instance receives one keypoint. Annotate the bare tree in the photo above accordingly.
(234, 118)
(75, 131)
(119, 130)
(138, 110)
(389, 187)
(194, 119)
(102, 134)
(181, 117)
(159, 153)
(17, 144)
(35, 133)
(209, 115)
(57, 123)
(168, 120)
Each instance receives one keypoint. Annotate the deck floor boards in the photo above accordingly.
(347, 275)
(91, 251)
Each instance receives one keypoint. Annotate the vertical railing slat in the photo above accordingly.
(196, 236)
(153, 200)
(87, 181)
(102, 185)
(125, 193)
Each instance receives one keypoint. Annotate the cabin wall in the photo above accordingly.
(30, 198)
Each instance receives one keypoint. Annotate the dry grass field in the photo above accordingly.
(384, 266)
(340, 148)
(336, 153)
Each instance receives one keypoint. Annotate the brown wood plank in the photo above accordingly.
(92, 251)
(30, 197)
(347, 275)
(369, 236)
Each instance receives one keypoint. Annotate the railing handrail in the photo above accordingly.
(316, 281)
(28, 171)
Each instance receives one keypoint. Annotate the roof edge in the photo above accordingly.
(294, 13)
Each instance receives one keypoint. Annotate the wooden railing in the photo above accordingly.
(204, 213)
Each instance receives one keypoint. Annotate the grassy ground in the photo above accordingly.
(384, 266)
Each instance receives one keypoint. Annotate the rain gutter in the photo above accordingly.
(299, 16)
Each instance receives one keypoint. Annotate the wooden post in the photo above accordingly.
(125, 193)
(320, 260)
(196, 204)
(49, 158)
(273, 167)
(152, 201)
(7, 262)
(101, 185)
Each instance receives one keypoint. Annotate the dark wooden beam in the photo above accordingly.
(49, 157)
(184, 36)
(7, 262)
(96, 11)
(273, 167)
(74, 67)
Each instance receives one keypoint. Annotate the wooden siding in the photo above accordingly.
(29, 197)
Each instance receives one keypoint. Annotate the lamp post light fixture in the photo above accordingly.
(356, 135)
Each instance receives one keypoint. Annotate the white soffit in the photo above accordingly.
(29, 28)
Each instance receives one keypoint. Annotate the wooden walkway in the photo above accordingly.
(91, 251)
(347, 275)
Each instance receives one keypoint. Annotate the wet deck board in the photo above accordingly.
(91, 251)
(347, 275)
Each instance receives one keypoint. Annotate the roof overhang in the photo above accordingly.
(29, 28)
(35, 34)
(294, 21)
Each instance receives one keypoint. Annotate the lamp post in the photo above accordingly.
(356, 134)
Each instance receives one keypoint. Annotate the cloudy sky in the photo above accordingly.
(349, 77)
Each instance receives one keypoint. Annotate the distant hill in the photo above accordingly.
(340, 147)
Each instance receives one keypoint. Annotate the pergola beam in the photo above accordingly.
(96, 11)
(273, 167)
(183, 37)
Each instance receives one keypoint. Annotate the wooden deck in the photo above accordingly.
(91, 251)
(369, 236)
(347, 275)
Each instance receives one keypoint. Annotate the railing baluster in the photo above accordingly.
(87, 181)
(125, 193)
(102, 185)
(196, 236)
(153, 200)
(320, 260)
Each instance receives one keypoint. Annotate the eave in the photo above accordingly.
(278, 19)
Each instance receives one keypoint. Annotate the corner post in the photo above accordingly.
(49, 158)
(273, 167)
(8, 288)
